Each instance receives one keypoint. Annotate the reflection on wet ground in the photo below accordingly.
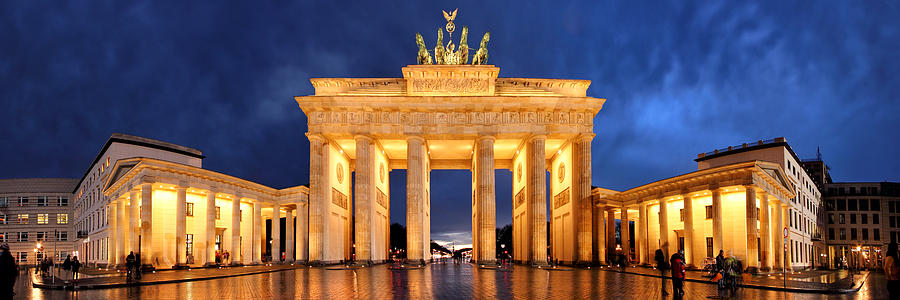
(442, 281)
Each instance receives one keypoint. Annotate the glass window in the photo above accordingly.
(891, 218)
(841, 204)
(843, 233)
(830, 233)
(842, 220)
(876, 234)
(63, 201)
(23, 201)
(876, 205)
(875, 219)
(23, 218)
(852, 218)
(62, 218)
(2, 219)
(681, 214)
(865, 218)
(43, 219)
(865, 234)
(41, 236)
(23, 237)
(851, 204)
(830, 218)
(218, 212)
(62, 236)
(863, 204)
(709, 247)
(189, 207)
(42, 201)
(891, 206)
(709, 212)
(853, 233)
(4, 202)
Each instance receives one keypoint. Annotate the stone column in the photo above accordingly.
(599, 233)
(319, 187)
(664, 242)
(625, 232)
(365, 194)
(644, 232)
(689, 230)
(112, 229)
(135, 227)
(581, 196)
(303, 229)
(210, 227)
(257, 232)
(415, 199)
(786, 242)
(610, 233)
(718, 231)
(765, 233)
(752, 233)
(121, 236)
(484, 148)
(276, 233)
(146, 223)
(778, 252)
(537, 188)
(289, 236)
(235, 255)
(180, 225)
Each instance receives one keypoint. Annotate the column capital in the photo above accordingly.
(584, 137)
(315, 136)
(536, 137)
(485, 137)
(415, 138)
(362, 137)
(181, 188)
(147, 180)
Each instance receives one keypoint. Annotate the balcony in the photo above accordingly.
(81, 234)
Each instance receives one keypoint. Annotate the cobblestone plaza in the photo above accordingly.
(438, 281)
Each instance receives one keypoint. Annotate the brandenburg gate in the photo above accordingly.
(449, 115)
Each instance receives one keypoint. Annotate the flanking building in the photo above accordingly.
(36, 218)
(863, 218)
(154, 198)
(742, 199)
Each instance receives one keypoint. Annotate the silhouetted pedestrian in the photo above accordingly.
(9, 271)
(662, 265)
(892, 271)
(76, 265)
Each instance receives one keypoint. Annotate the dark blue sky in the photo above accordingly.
(680, 78)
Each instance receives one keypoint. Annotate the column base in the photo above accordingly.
(181, 266)
(211, 264)
(147, 267)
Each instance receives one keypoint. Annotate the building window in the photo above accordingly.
(43, 219)
(2, 219)
(23, 257)
(4, 202)
(891, 207)
(23, 218)
(876, 205)
(863, 204)
(41, 236)
(851, 204)
(189, 244)
(843, 233)
(681, 214)
(876, 234)
(189, 209)
(23, 201)
(23, 237)
(42, 201)
(875, 219)
(218, 212)
(63, 201)
(865, 234)
(830, 218)
(62, 236)
(831, 233)
(842, 220)
(62, 218)
(3, 237)
(853, 234)
(709, 212)
(891, 218)
(852, 218)
(709, 247)
(864, 218)
(842, 204)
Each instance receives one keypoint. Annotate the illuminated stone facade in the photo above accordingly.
(450, 117)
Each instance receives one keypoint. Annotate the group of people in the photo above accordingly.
(222, 257)
(132, 266)
(675, 264)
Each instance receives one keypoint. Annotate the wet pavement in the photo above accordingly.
(441, 281)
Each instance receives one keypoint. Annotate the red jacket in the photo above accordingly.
(677, 268)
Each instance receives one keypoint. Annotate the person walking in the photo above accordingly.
(67, 265)
(76, 265)
(9, 271)
(662, 265)
(892, 271)
(677, 262)
(720, 267)
(129, 266)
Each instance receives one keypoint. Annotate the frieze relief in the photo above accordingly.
(454, 118)
(459, 86)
